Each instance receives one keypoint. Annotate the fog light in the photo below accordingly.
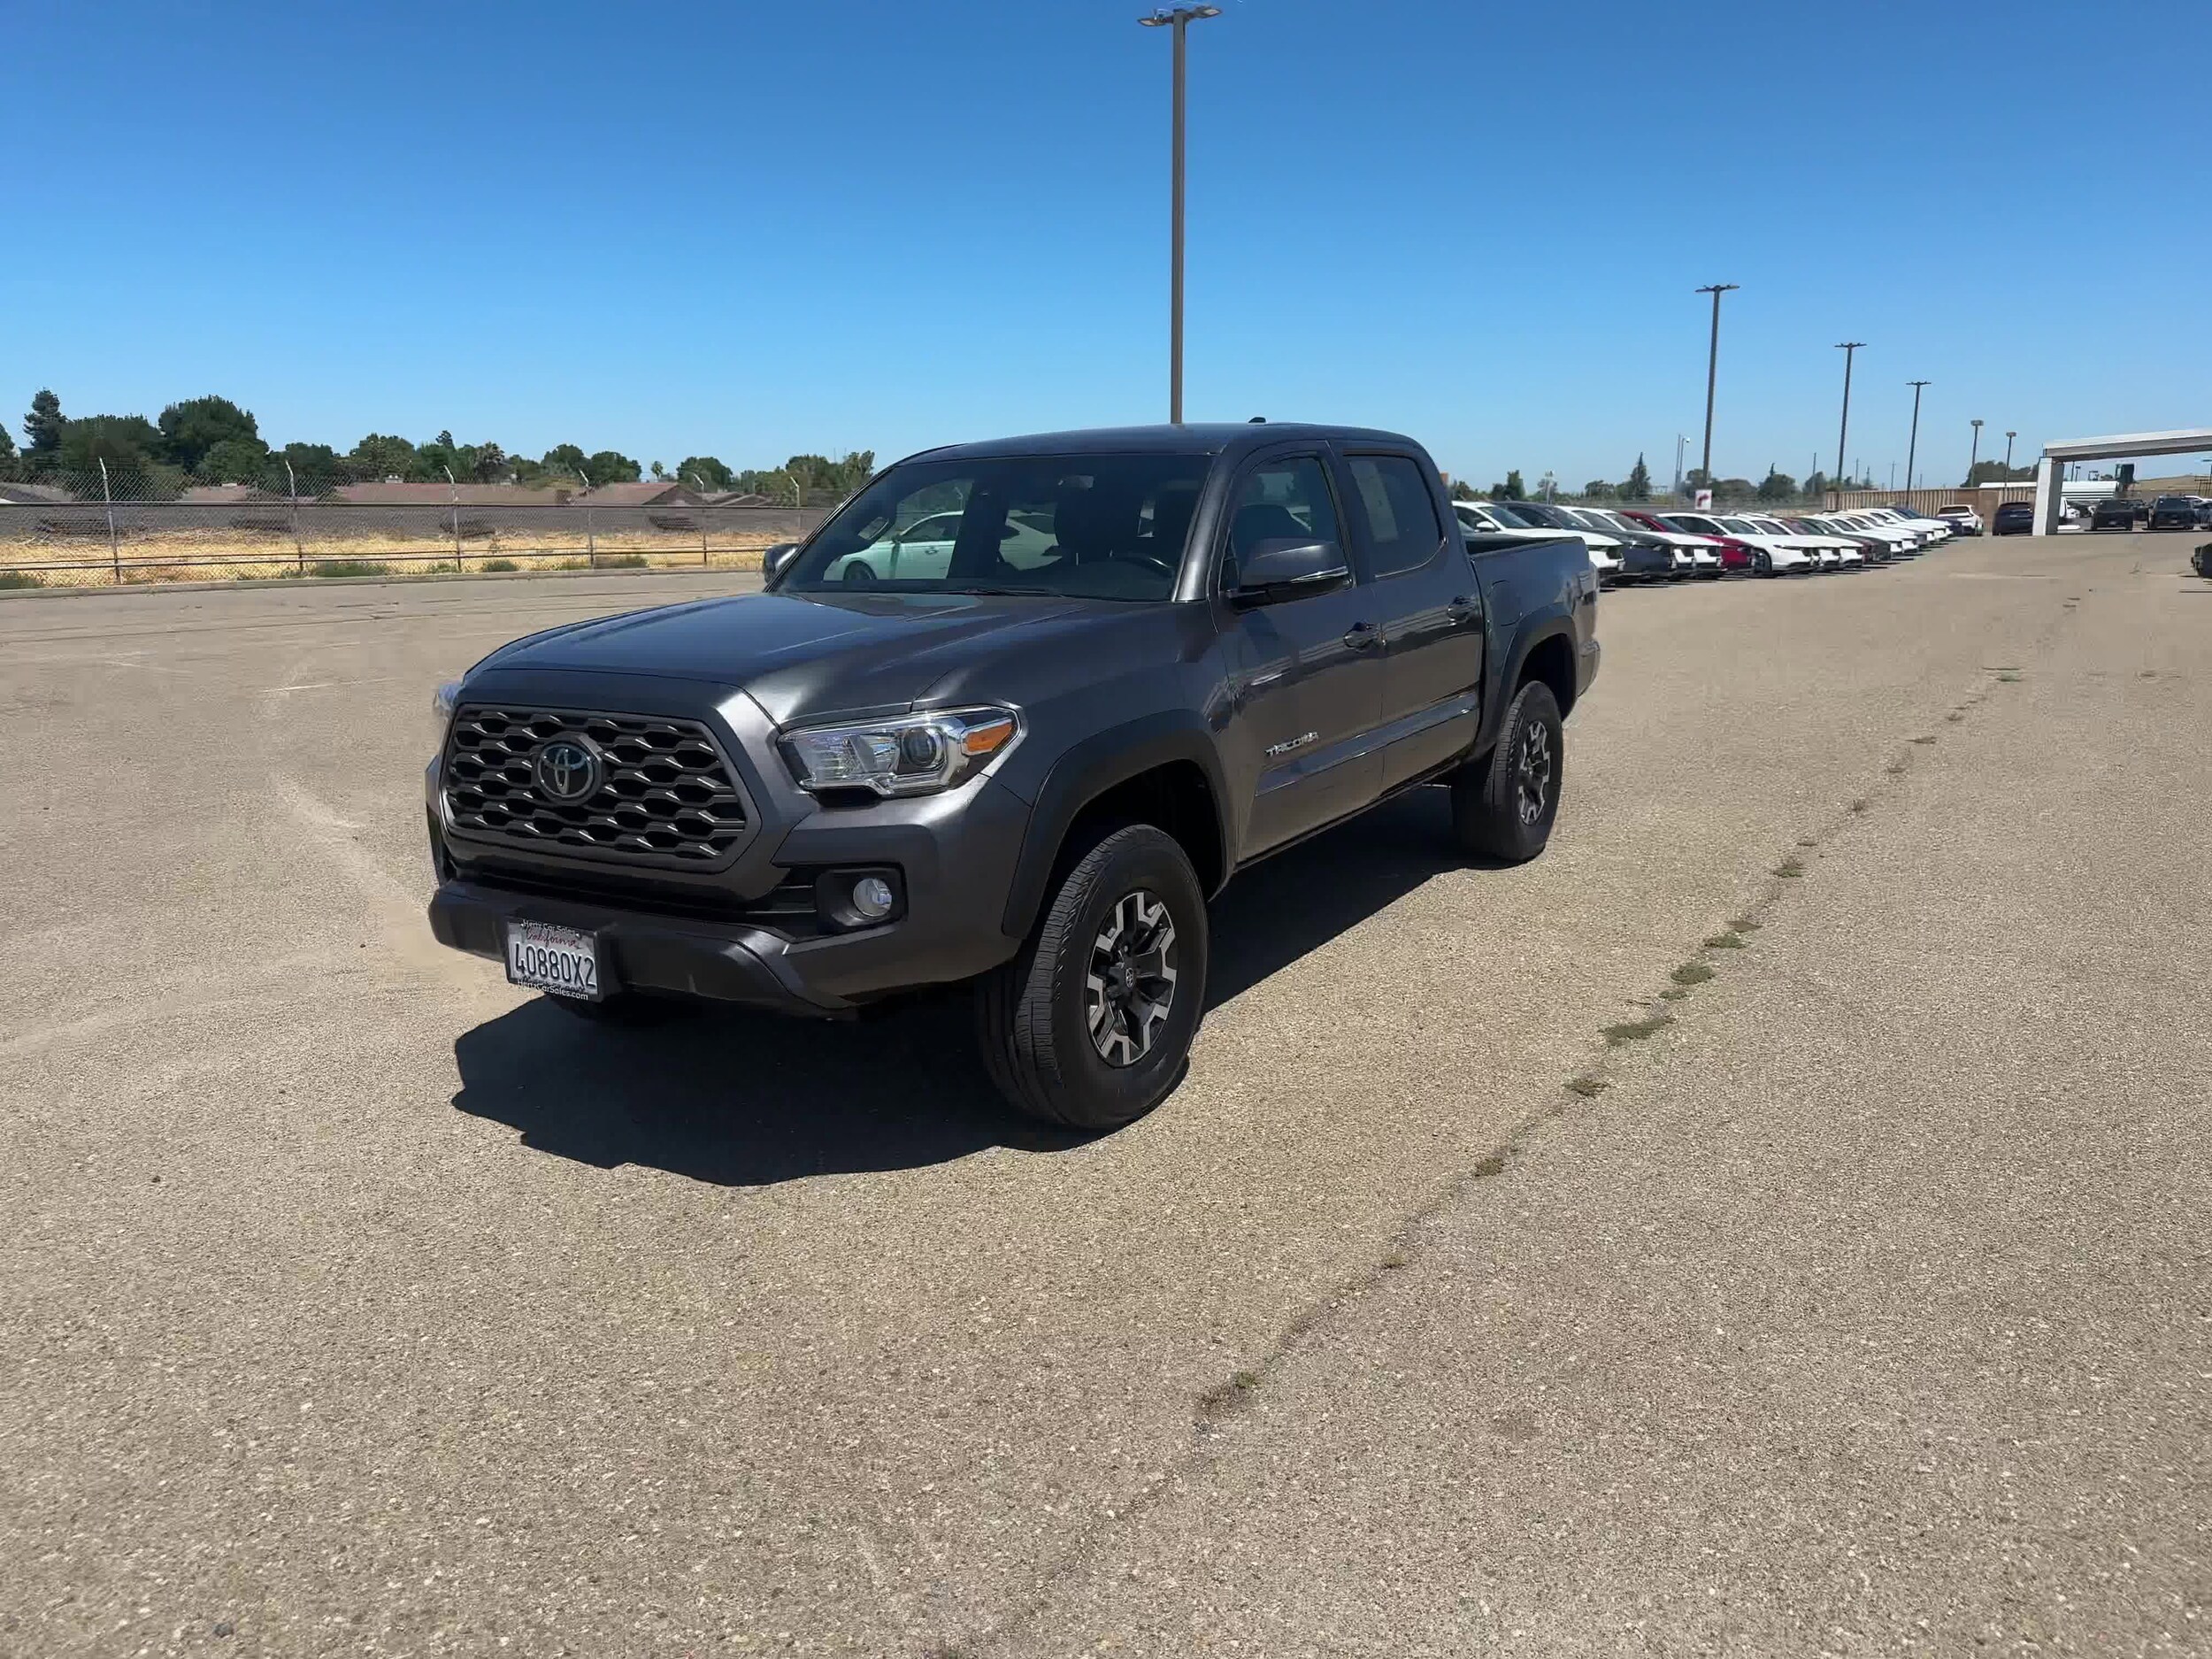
(873, 898)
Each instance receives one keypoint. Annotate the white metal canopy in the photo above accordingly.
(2052, 467)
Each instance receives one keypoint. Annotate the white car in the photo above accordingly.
(922, 551)
(1967, 522)
(1931, 530)
(1773, 554)
(1835, 552)
(1694, 555)
(1900, 540)
(1490, 518)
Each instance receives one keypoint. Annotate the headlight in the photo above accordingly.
(909, 753)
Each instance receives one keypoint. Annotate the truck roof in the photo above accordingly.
(1198, 438)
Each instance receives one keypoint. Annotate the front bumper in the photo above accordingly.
(736, 934)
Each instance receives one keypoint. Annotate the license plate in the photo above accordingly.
(562, 960)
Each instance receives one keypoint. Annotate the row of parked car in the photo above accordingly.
(1643, 544)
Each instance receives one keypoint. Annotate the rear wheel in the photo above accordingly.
(1504, 805)
(1090, 1026)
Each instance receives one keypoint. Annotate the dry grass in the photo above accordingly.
(75, 561)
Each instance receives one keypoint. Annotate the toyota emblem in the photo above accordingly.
(567, 770)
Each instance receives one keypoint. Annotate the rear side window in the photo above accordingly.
(1398, 511)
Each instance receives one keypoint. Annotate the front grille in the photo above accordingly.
(665, 796)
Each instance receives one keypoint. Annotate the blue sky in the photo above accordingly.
(750, 230)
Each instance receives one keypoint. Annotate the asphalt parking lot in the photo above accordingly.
(1853, 1300)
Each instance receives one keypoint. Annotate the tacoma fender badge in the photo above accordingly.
(1299, 741)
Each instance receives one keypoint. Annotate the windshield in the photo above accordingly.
(1741, 527)
(1090, 526)
(1511, 519)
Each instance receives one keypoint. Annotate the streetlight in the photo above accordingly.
(1913, 448)
(1975, 460)
(1712, 370)
(1179, 18)
(2009, 436)
(1850, 350)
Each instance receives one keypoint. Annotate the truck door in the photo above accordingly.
(1305, 673)
(1431, 611)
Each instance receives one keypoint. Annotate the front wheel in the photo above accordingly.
(1762, 565)
(1504, 804)
(1090, 1026)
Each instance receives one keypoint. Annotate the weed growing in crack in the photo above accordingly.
(1861, 804)
(1396, 1258)
(1589, 1087)
(1674, 994)
(1923, 740)
(1896, 768)
(1789, 869)
(1746, 925)
(1731, 941)
(2007, 680)
(1495, 1164)
(1954, 717)
(1690, 973)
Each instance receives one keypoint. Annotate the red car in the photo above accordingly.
(1734, 555)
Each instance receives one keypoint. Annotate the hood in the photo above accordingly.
(803, 654)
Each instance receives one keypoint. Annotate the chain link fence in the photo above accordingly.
(127, 529)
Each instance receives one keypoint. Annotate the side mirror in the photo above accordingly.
(1284, 567)
(778, 559)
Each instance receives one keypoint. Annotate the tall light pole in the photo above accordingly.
(1850, 350)
(1975, 460)
(1178, 19)
(1913, 448)
(1712, 371)
(1680, 442)
(2009, 436)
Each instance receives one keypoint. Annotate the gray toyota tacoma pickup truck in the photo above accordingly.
(1008, 718)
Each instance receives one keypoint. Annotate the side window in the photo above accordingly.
(1288, 499)
(1399, 513)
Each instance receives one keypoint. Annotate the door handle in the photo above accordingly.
(1461, 609)
(1363, 636)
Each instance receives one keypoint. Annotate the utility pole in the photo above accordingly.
(2009, 436)
(1712, 370)
(1913, 448)
(1850, 350)
(1179, 18)
(1975, 460)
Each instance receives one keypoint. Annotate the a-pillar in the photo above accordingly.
(2048, 476)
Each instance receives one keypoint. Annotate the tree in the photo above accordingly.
(1817, 485)
(1512, 489)
(611, 467)
(487, 463)
(1639, 485)
(1777, 484)
(41, 431)
(564, 461)
(235, 461)
(659, 470)
(1734, 489)
(1463, 491)
(381, 455)
(1696, 478)
(7, 447)
(316, 467)
(1997, 473)
(191, 428)
(125, 442)
(704, 471)
(1597, 489)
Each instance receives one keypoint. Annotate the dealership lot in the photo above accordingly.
(355, 1303)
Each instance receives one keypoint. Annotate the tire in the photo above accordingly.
(1761, 563)
(1492, 815)
(1037, 1016)
(623, 1009)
